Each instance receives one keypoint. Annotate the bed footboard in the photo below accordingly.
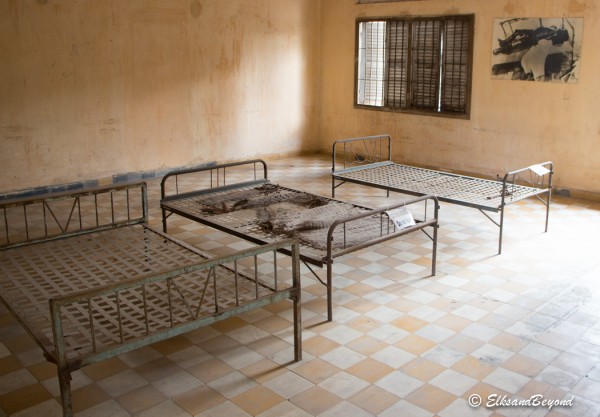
(97, 324)
(379, 225)
(532, 181)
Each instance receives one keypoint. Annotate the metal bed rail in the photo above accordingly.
(108, 303)
(64, 214)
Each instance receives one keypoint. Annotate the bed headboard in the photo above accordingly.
(184, 182)
(51, 216)
(348, 153)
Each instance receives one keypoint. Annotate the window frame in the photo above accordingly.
(411, 109)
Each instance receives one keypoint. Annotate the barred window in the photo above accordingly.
(415, 64)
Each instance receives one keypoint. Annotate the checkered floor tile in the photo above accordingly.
(485, 333)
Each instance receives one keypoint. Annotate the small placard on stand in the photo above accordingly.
(539, 169)
(401, 217)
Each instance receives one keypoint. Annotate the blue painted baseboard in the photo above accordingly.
(75, 186)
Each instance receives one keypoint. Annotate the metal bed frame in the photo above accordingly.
(353, 227)
(88, 288)
(368, 161)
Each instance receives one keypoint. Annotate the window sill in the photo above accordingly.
(416, 112)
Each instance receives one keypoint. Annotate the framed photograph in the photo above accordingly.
(537, 49)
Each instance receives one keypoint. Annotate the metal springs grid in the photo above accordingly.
(469, 191)
(250, 222)
(32, 274)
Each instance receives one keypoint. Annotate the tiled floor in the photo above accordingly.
(522, 325)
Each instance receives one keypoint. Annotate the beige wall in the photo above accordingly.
(513, 123)
(93, 88)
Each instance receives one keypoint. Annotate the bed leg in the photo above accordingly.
(64, 380)
(549, 198)
(297, 302)
(548, 208)
(297, 328)
(434, 251)
(164, 220)
(329, 291)
(332, 187)
(501, 230)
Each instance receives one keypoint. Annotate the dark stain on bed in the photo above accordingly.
(262, 196)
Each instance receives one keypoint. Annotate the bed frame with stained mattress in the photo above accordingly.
(239, 199)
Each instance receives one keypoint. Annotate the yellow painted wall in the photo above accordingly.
(93, 88)
(513, 123)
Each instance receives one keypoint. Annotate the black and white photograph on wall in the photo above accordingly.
(537, 49)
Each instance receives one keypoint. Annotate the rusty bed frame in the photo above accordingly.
(88, 288)
(354, 227)
(368, 161)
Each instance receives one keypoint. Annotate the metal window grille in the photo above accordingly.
(455, 68)
(372, 56)
(426, 47)
(416, 64)
(398, 38)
